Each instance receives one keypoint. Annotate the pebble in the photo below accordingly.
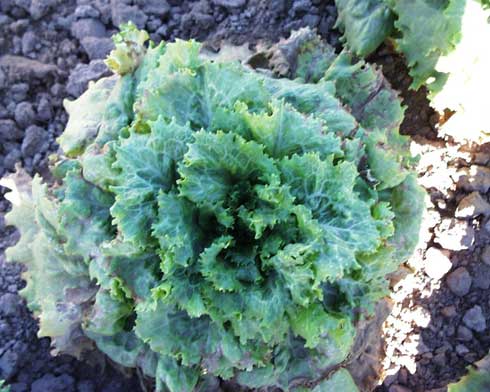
(33, 140)
(399, 388)
(9, 362)
(459, 281)
(96, 47)
(475, 178)
(472, 205)
(39, 8)
(82, 74)
(86, 11)
(29, 41)
(44, 109)
(448, 311)
(51, 383)
(159, 8)
(9, 130)
(9, 304)
(481, 276)
(436, 263)
(22, 68)
(439, 359)
(122, 13)
(474, 319)
(464, 334)
(454, 234)
(461, 349)
(229, 3)
(24, 114)
(88, 27)
(485, 256)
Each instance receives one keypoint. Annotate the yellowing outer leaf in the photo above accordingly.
(129, 50)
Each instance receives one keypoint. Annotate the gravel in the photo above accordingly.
(474, 319)
(459, 281)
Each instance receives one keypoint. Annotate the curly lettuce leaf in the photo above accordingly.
(365, 24)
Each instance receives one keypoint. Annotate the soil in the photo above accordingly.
(50, 49)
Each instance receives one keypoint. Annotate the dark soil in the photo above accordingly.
(451, 298)
(50, 49)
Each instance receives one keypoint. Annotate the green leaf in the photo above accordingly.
(147, 165)
(365, 23)
(429, 29)
(285, 132)
(85, 221)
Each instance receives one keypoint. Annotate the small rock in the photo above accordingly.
(97, 48)
(24, 114)
(311, 20)
(88, 27)
(229, 3)
(29, 41)
(11, 159)
(40, 8)
(439, 359)
(9, 304)
(18, 92)
(421, 317)
(82, 74)
(51, 383)
(459, 281)
(24, 4)
(454, 234)
(437, 263)
(485, 256)
(159, 8)
(399, 388)
(21, 68)
(461, 349)
(19, 387)
(474, 319)
(86, 386)
(9, 363)
(86, 11)
(472, 205)
(44, 109)
(481, 276)
(448, 311)
(476, 178)
(403, 376)
(122, 13)
(389, 380)
(33, 140)
(301, 6)
(9, 130)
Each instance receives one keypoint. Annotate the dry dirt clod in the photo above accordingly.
(459, 281)
(454, 234)
(476, 178)
(399, 388)
(436, 263)
(474, 319)
(485, 256)
(472, 205)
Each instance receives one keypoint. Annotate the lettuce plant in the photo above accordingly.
(3, 387)
(477, 379)
(211, 221)
(423, 30)
(437, 38)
